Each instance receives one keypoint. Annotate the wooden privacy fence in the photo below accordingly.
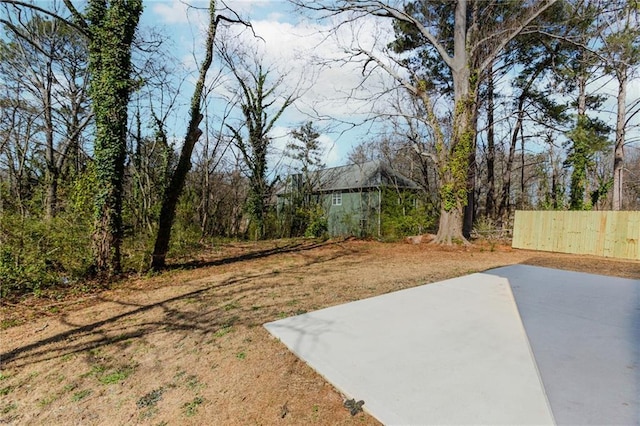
(600, 233)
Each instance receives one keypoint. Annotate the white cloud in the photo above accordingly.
(311, 54)
(177, 11)
(279, 159)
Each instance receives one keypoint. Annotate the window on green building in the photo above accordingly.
(336, 199)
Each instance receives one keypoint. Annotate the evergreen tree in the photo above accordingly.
(303, 205)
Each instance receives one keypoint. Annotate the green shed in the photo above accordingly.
(351, 196)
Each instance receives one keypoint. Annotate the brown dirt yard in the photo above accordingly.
(187, 346)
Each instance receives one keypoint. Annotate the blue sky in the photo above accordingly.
(290, 44)
(294, 44)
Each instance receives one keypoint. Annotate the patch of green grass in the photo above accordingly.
(193, 383)
(96, 370)
(6, 390)
(69, 387)
(6, 409)
(282, 315)
(150, 399)
(116, 376)
(231, 321)
(78, 396)
(8, 323)
(43, 402)
(293, 302)
(222, 332)
(4, 376)
(256, 308)
(59, 377)
(122, 339)
(191, 408)
(66, 357)
(230, 306)
(241, 355)
(95, 352)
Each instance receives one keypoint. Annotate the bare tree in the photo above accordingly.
(176, 184)
(52, 60)
(262, 105)
(210, 180)
(18, 127)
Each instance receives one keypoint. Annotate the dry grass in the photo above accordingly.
(187, 346)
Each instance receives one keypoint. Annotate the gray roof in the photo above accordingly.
(372, 174)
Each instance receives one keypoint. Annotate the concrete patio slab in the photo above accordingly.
(585, 333)
(514, 345)
(453, 352)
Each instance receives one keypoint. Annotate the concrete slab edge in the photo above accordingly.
(533, 358)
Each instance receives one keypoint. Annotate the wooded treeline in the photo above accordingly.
(505, 99)
(495, 106)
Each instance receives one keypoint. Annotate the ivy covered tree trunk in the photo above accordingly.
(578, 155)
(112, 25)
(52, 172)
(578, 158)
(453, 174)
(454, 167)
(173, 191)
(462, 38)
(257, 99)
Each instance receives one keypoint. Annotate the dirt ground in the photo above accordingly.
(187, 346)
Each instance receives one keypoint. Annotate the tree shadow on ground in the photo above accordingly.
(217, 308)
(288, 248)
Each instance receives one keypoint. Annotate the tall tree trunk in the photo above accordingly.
(470, 207)
(112, 29)
(504, 208)
(454, 169)
(173, 191)
(554, 188)
(522, 172)
(51, 170)
(578, 191)
(618, 156)
(490, 203)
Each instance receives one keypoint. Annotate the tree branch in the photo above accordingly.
(373, 58)
(77, 16)
(379, 9)
(513, 33)
(23, 36)
(81, 27)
